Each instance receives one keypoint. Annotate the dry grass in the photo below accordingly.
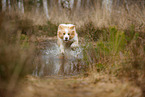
(16, 52)
(101, 18)
(125, 59)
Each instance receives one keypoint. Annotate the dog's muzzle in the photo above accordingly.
(66, 38)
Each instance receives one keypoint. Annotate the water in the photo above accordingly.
(55, 63)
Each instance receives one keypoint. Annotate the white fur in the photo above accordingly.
(62, 43)
(66, 34)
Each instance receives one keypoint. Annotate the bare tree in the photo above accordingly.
(50, 3)
(3, 5)
(21, 6)
(126, 6)
(67, 4)
(9, 4)
(88, 1)
(78, 4)
(107, 5)
(45, 7)
(0, 5)
(37, 5)
(59, 4)
(71, 2)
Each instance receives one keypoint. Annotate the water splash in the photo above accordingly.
(54, 63)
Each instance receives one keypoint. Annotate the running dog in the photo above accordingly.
(67, 37)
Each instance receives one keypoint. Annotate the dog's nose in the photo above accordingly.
(66, 38)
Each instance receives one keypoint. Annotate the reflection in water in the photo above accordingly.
(54, 63)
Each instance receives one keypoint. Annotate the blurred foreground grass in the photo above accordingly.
(112, 46)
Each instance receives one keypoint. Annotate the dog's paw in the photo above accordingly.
(74, 48)
(62, 51)
(74, 45)
(61, 56)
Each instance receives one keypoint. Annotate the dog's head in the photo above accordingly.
(66, 31)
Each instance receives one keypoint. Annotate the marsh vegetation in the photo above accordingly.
(110, 61)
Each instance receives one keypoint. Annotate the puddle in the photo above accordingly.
(54, 63)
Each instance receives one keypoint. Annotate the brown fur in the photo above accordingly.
(60, 33)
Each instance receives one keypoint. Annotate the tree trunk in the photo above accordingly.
(78, 4)
(107, 5)
(45, 7)
(9, 5)
(13, 4)
(21, 6)
(3, 5)
(71, 4)
(37, 6)
(0, 5)
(50, 3)
(126, 6)
(88, 3)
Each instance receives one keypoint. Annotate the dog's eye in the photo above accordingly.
(68, 33)
(63, 33)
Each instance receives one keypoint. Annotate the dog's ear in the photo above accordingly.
(60, 34)
(61, 27)
(72, 27)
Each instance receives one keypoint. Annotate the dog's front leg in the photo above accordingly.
(61, 45)
(74, 45)
(62, 49)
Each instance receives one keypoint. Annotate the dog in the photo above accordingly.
(67, 37)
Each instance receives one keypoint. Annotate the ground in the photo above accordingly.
(94, 85)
